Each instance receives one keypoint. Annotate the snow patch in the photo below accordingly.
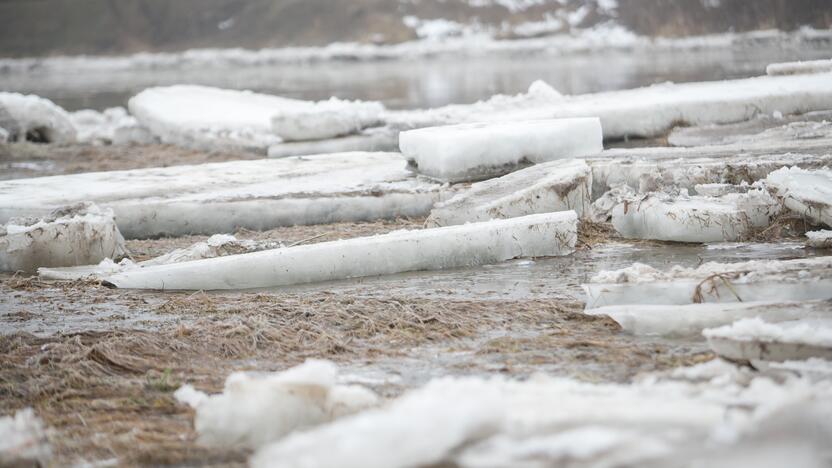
(29, 117)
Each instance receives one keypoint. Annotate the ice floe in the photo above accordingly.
(371, 139)
(82, 234)
(542, 188)
(692, 319)
(660, 216)
(716, 411)
(746, 131)
(819, 239)
(254, 410)
(808, 193)
(797, 68)
(762, 280)
(325, 119)
(222, 197)
(754, 339)
(29, 117)
(541, 235)
(481, 150)
(113, 126)
(23, 440)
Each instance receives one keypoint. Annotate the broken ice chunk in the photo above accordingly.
(543, 188)
(799, 68)
(326, 119)
(764, 280)
(82, 234)
(755, 339)
(32, 118)
(808, 193)
(113, 126)
(481, 150)
(23, 440)
(659, 216)
(255, 410)
(689, 320)
(541, 235)
(819, 239)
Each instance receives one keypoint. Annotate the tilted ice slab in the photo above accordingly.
(715, 408)
(808, 193)
(113, 126)
(206, 118)
(221, 197)
(541, 235)
(481, 150)
(797, 126)
(28, 114)
(217, 245)
(797, 68)
(691, 319)
(772, 281)
(658, 216)
(77, 235)
(371, 139)
(23, 440)
(819, 239)
(755, 339)
(646, 112)
(253, 411)
(542, 188)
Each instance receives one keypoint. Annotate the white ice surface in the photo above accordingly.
(23, 440)
(763, 280)
(542, 421)
(325, 119)
(78, 235)
(819, 239)
(691, 319)
(797, 68)
(255, 410)
(371, 139)
(113, 126)
(541, 235)
(30, 113)
(543, 188)
(220, 197)
(481, 150)
(806, 192)
(658, 216)
(754, 339)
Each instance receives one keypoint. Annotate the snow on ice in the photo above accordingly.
(77, 235)
(23, 440)
(113, 126)
(221, 197)
(807, 193)
(481, 150)
(754, 339)
(325, 119)
(543, 188)
(29, 117)
(758, 280)
(819, 239)
(541, 235)
(254, 410)
(797, 68)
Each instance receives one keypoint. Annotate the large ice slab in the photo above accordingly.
(764, 280)
(692, 319)
(650, 111)
(221, 197)
(808, 193)
(542, 188)
(541, 235)
(253, 411)
(205, 118)
(797, 68)
(658, 216)
(481, 150)
(77, 235)
(799, 126)
(755, 339)
(29, 117)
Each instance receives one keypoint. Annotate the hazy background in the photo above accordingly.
(50, 27)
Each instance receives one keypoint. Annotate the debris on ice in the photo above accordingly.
(477, 151)
(113, 126)
(82, 234)
(23, 440)
(255, 410)
(218, 245)
(660, 216)
(543, 188)
(32, 118)
(819, 239)
(807, 193)
(758, 281)
(753, 339)
(797, 68)
(543, 421)
(541, 235)
(692, 319)
(222, 197)
(206, 118)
